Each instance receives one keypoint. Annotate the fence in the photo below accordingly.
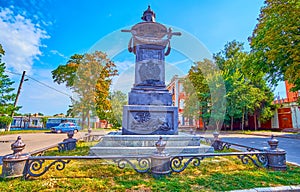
(158, 164)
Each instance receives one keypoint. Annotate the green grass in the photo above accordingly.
(214, 174)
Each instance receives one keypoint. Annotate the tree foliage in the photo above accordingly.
(275, 41)
(118, 100)
(205, 94)
(247, 92)
(6, 96)
(67, 73)
(197, 94)
(89, 76)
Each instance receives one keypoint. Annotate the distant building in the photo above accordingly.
(175, 87)
(288, 115)
(24, 122)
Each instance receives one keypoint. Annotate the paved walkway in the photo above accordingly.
(267, 189)
(35, 141)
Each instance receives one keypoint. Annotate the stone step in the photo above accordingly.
(106, 151)
(147, 140)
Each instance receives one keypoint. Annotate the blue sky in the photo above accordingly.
(40, 35)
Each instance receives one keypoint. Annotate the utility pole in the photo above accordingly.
(16, 100)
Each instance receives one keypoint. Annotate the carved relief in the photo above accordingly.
(143, 121)
(142, 117)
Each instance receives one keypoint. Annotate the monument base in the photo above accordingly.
(145, 95)
(145, 145)
(149, 120)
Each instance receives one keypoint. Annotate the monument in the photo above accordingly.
(149, 115)
(149, 110)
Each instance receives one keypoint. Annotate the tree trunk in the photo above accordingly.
(243, 119)
(88, 117)
(217, 124)
(255, 124)
(82, 120)
(231, 123)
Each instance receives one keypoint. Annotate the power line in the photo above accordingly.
(42, 83)
(48, 86)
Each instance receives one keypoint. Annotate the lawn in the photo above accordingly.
(214, 174)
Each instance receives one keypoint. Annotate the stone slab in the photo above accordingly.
(115, 144)
(147, 140)
(149, 98)
(107, 151)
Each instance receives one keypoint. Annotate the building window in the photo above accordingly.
(180, 87)
(181, 104)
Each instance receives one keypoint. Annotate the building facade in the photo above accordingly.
(27, 122)
(287, 116)
(175, 87)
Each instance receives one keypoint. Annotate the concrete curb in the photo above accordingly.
(263, 189)
(283, 136)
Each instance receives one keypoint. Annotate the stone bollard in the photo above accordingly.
(14, 164)
(160, 161)
(88, 137)
(69, 143)
(216, 141)
(276, 157)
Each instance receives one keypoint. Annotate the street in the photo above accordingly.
(291, 146)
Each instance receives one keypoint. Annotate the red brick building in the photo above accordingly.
(287, 116)
(175, 87)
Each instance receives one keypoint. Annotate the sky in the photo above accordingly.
(38, 36)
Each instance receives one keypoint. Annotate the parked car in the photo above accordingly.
(66, 127)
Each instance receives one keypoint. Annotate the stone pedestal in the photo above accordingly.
(149, 120)
(160, 165)
(276, 157)
(149, 108)
(69, 143)
(277, 160)
(14, 165)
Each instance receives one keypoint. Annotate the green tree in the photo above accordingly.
(197, 100)
(275, 41)
(118, 99)
(204, 88)
(229, 62)
(67, 73)
(89, 77)
(247, 89)
(6, 96)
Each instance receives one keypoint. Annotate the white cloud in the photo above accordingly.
(123, 65)
(180, 62)
(21, 40)
(55, 52)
